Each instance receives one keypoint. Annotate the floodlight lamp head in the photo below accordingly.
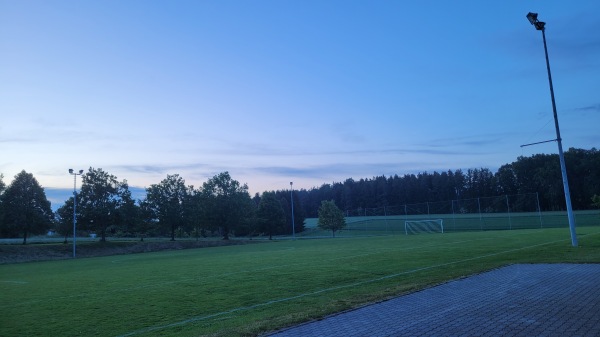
(533, 19)
(71, 171)
(80, 171)
(540, 25)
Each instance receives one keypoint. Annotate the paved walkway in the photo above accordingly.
(518, 300)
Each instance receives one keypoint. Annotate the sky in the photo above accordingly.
(309, 92)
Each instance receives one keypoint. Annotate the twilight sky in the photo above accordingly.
(310, 91)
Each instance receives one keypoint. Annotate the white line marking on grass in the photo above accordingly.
(321, 291)
(15, 282)
(376, 251)
(188, 279)
(200, 279)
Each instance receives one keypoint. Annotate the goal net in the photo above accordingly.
(424, 226)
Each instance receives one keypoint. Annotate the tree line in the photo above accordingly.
(220, 207)
(539, 173)
(223, 207)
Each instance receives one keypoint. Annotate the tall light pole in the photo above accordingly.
(292, 199)
(75, 207)
(532, 17)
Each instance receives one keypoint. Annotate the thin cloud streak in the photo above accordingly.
(593, 108)
(470, 142)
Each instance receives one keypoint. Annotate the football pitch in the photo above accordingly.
(252, 289)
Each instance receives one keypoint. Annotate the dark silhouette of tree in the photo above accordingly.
(166, 201)
(100, 201)
(270, 215)
(64, 219)
(537, 173)
(26, 208)
(596, 201)
(128, 213)
(213, 206)
(2, 188)
(147, 220)
(286, 203)
(229, 203)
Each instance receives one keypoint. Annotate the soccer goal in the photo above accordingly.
(424, 226)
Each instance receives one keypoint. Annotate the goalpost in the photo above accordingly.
(424, 226)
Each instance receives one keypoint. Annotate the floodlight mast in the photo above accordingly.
(533, 19)
(292, 199)
(75, 208)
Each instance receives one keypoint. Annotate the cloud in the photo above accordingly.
(593, 108)
(145, 168)
(593, 140)
(20, 139)
(432, 148)
(587, 112)
(468, 141)
(161, 169)
(345, 170)
(263, 150)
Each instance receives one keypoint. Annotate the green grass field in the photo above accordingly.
(394, 224)
(250, 289)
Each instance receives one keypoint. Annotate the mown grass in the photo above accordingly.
(248, 290)
(394, 224)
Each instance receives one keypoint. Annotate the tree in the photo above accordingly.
(2, 184)
(146, 220)
(596, 201)
(228, 202)
(584, 176)
(26, 208)
(331, 217)
(480, 183)
(128, 214)
(507, 180)
(64, 219)
(2, 188)
(166, 200)
(537, 173)
(194, 213)
(100, 200)
(299, 215)
(270, 214)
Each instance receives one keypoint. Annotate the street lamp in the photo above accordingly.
(292, 198)
(75, 207)
(533, 19)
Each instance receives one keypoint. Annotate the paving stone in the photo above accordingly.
(517, 300)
